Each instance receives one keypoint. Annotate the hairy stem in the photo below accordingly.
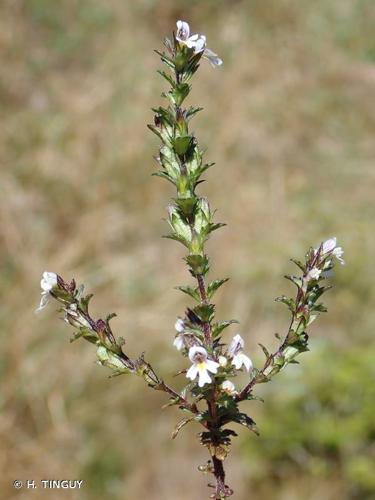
(204, 300)
(221, 490)
(299, 301)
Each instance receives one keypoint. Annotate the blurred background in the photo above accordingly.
(290, 121)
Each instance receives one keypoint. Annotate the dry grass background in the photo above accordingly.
(290, 121)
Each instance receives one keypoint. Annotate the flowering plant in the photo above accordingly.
(210, 397)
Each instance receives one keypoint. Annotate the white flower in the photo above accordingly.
(179, 342)
(196, 42)
(201, 365)
(238, 357)
(338, 252)
(212, 57)
(228, 387)
(329, 246)
(179, 325)
(313, 274)
(47, 283)
(241, 359)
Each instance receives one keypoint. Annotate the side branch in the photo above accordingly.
(110, 351)
(304, 310)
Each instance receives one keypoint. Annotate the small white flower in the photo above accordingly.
(196, 42)
(201, 365)
(228, 387)
(223, 361)
(183, 31)
(329, 246)
(241, 359)
(235, 349)
(338, 252)
(212, 57)
(313, 274)
(179, 342)
(47, 283)
(179, 325)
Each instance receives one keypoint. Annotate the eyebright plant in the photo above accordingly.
(210, 397)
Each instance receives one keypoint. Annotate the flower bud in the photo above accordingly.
(228, 387)
(223, 361)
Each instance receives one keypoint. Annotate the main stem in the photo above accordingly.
(204, 300)
(221, 490)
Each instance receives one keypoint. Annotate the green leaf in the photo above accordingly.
(171, 402)
(193, 292)
(214, 285)
(164, 175)
(164, 115)
(112, 361)
(79, 291)
(245, 420)
(265, 351)
(315, 292)
(177, 237)
(205, 312)
(180, 92)
(170, 161)
(252, 397)
(192, 65)
(295, 280)
(218, 327)
(166, 60)
(299, 342)
(319, 308)
(290, 303)
(186, 205)
(85, 333)
(192, 111)
(261, 378)
(84, 302)
(167, 77)
(218, 225)
(179, 226)
(183, 55)
(199, 264)
(156, 131)
(180, 425)
(182, 144)
(110, 316)
(299, 264)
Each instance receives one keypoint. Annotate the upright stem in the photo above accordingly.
(204, 300)
(213, 423)
(202, 288)
(221, 490)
